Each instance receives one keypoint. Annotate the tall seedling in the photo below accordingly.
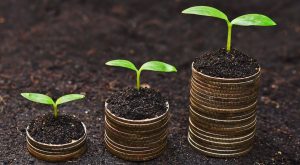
(244, 20)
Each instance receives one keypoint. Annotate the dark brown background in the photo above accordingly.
(58, 47)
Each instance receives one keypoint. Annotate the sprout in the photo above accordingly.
(244, 20)
(151, 65)
(44, 99)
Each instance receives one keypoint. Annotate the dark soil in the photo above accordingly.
(61, 130)
(58, 47)
(223, 64)
(134, 104)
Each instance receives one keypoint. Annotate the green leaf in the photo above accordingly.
(38, 98)
(206, 11)
(122, 63)
(68, 98)
(253, 20)
(158, 66)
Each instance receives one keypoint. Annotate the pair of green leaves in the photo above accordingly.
(244, 20)
(44, 99)
(157, 66)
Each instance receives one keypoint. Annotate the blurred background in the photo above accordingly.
(57, 47)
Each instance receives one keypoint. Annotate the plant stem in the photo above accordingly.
(55, 110)
(138, 74)
(229, 37)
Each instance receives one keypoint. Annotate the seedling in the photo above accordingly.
(44, 99)
(157, 66)
(244, 20)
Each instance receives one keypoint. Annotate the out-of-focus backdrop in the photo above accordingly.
(57, 47)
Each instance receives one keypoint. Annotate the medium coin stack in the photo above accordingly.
(222, 114)
(136, 140)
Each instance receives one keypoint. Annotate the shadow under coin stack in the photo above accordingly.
(136, 140)
(222, 114)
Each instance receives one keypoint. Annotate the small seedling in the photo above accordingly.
(244, 20)
(157, 66)
(44, 99)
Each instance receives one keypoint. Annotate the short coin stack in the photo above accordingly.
(222, 114)
(136, 140)
(56, 152)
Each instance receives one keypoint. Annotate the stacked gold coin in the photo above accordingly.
(136, 140)
(56, 152)
(222, 114)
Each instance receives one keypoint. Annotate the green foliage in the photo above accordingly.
(68, 98)
(38, 98)
(122, 63)
(157, 66)
(205, 11)
(244, 20)
(253, 20)
(44, 99)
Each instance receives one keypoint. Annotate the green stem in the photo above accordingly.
(138, 74)
(55, 110)
(229, 37)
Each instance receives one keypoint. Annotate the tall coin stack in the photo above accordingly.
(222, 114)
(136, 140)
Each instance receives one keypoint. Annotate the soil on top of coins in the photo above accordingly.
(61, 130)
(134, 104)
(223, 64)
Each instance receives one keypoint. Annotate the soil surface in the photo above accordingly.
(223, 64)
(61, 130)
(134, 104)
(58, 47)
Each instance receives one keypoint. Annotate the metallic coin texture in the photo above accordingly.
(222, 114)
(56, 152)
(136, 140)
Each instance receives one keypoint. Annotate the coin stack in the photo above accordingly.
(136, 140)
(222, 114)
(56, 152)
